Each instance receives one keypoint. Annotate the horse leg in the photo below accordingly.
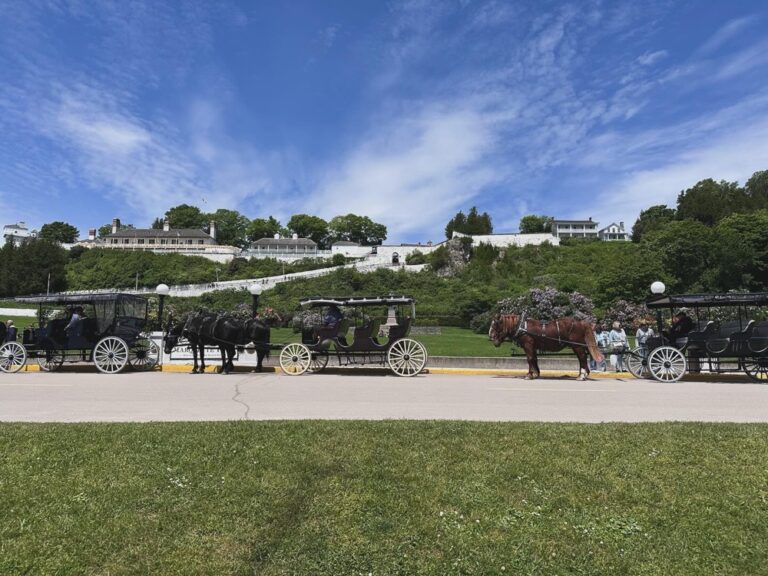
(194, 357)
(536, 371)
(230, 359)
(530, 355)
(581, 354)
(260, 356)
(201, 347)
(222, 369)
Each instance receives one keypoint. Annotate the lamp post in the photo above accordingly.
(255, 290)
(162, 291)
(657, 288)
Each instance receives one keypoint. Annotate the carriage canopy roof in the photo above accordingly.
(69, 299)
(356, 301)
(106, 307)
(704, 300)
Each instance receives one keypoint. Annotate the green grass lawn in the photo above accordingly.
(383, 498)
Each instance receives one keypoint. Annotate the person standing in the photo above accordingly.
(11, 331)
(641, 337)
(618, 339)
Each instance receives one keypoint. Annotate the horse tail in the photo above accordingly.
(591, 341)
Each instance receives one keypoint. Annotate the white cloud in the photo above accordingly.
(725, 33)
(650, 58)
(413, 173)
(732, 154)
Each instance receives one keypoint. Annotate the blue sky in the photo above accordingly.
(402, 111)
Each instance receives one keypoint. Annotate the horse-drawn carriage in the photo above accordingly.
(729, 333)
(108, 330)
(373, 331)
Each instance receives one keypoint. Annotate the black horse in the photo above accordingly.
(203, 329)
(3, 332)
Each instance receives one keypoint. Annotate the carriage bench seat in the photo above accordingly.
(729, 335)
(321, 338)
(698, 340)
(758, 340)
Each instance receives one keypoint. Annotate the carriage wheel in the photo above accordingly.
(318, 363)
(667, 364)
(295, 359)
(757, 369)
(143, 355)
(13, 356)
(110, 355)
(51, 360)
(637, 363)
(407, 357)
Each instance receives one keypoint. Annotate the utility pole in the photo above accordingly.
(48, 290)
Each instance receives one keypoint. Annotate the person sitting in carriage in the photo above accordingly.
(681, 325)
(333, 316)
(75, 326)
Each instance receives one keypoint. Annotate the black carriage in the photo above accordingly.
(729, 333)
(109, 332)
(374, 330)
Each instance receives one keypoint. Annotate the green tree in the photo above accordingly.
(756, 190)
(231, 227)
(354, 228)
(478, 223)
(709, 201)
(456, 224)
(106, 229)
(312, 227)
(472, 223)
(26, 269)
(532, 224)
(59, 232)
(157, 223)
(685, 249)
(741, 252)
(262, 228)
(186, 216)
(652, 219)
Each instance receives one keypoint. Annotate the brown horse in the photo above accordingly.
(552, 336)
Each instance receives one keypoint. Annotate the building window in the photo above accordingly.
(189, 241)
(174, 241)
(200, 241)
(126, 241)
(163, 241)
(114, 240)
(151, 241)
(140, 241)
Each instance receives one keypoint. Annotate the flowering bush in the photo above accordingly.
(628, 314)
(549, 304)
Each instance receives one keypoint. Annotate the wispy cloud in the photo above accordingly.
(726, 33)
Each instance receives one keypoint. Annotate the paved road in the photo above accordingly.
(134, 397)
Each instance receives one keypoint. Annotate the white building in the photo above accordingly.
(185, 241)
(574, 229)
(284, 249)
(18, 233)
(613, 233)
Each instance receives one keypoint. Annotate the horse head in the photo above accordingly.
(172, 335)
(503, 326)
(256, 330)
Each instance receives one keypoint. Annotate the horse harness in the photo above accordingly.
(522, 329)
